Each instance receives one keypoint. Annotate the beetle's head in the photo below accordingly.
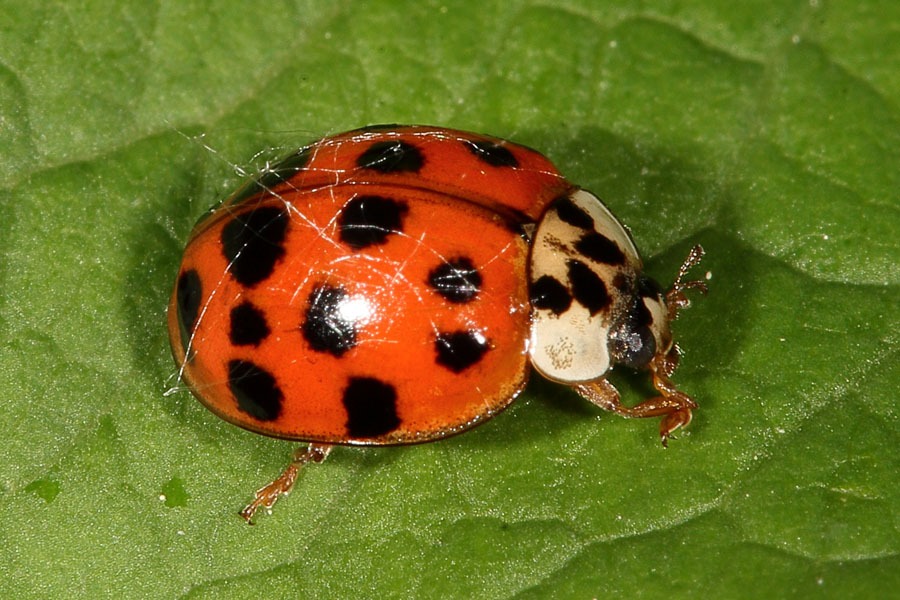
(643, 328)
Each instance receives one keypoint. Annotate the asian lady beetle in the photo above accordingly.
(391, 285)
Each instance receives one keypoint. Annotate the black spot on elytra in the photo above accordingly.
(256, 391)
(573, 215)
(274, 176)
(371, 406)
(493, 153)
(600, 248)
(248, 325)
(456, 280)
(587, 288)
(392, 156)
(369, 220)
(188, 294)
(459, 350)
(324, 329)
(548, 293)
(253, 242)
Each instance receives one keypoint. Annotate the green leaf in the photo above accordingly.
(768, 131)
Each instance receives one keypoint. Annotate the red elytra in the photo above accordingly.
(357, 289)
(371, 289)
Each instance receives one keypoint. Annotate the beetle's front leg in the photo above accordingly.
(675, 298)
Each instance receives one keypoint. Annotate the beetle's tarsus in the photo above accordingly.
(281, 486)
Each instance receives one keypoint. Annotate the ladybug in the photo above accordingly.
(395, 285)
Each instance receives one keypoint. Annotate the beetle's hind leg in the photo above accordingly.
(282, 485)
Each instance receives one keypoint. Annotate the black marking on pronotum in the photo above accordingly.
(255, 390)
(248, 325)
(188, 295)
(371, 406)
(459, 350)
(369, 220)
(324, 328)
(457, 280)
(392, 156)
(647, 287)
(600, 248)
(623, 283)
(547, 293)
(253, 241)
(275, 175)
(587, 288)
(493, 153)
(572, 214)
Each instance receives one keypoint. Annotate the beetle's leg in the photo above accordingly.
(267, 495)
(676, 298)
(682, 404)
(673, 406)
(666, 363)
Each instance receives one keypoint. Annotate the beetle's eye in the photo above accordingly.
(632, 343)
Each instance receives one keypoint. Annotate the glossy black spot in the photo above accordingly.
(256, 391)
(392, 156)
(548, 293)
(600, 248)
(275, 175)
(253, 242)
(573, 215)
(188, 295)
(456, 280)
(371, 406)
(459, 350)
(369, 220)
(248, 325)
(587, 288)
(494, 154)
(325, 328)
